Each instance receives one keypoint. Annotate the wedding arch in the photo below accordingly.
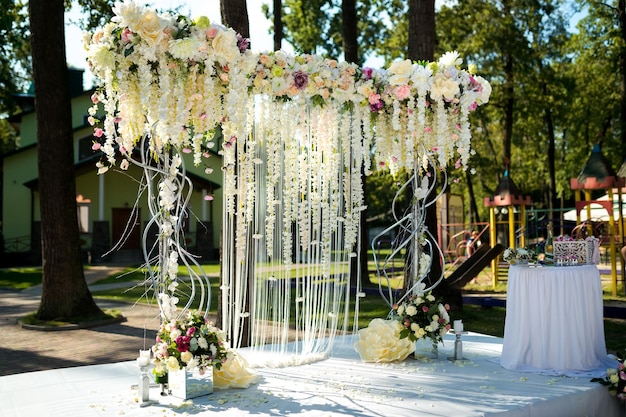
(296, 133)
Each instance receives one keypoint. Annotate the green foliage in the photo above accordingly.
(316, 26)
(15, 65)
(8, 137)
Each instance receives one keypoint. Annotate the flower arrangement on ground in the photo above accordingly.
(423, 316)
(380, 342)
(615, 379)
(190, 342)
(522, 255)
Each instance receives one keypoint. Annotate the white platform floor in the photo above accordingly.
(339, 386)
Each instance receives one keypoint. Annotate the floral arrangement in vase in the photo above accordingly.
(423, 316)
(189, 342)
(519, 255)
(615, 379)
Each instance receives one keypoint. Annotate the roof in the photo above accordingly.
(507, 194)
(596, 174)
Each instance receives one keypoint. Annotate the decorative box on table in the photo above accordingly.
(187, 384)
(582, 251)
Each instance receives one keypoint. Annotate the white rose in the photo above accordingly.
(380, 342)
(400, 72)
(419, 333)
(444, 88)
(172, 364)
(150, 28)
(411, 310)
(234, 373)
(225, 46)
(186, 357)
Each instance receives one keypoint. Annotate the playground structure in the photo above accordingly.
(597, 174)
(507, 214)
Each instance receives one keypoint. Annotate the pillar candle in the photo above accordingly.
(458, 326)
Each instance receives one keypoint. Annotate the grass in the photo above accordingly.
(19, 278)
(479, 319)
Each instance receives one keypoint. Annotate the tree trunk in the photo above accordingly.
(621, 10)
(350, 31)
(551, 164)
(509, 102)
(64, 291)
(473, 207)
(235, 15)
(278, 24)
(421, 30)
(351, 54)
(422, 47)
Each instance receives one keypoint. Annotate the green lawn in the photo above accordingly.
(478, 319)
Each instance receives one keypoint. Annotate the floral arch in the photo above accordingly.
(296, 133)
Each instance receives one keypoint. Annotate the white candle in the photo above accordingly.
(458, 326)
(144, 358)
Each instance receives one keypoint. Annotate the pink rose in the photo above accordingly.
(403, 92)
(211, 32)
(373, 98)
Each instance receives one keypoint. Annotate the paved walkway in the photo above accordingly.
(24, 350)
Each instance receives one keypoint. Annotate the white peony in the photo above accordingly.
(444, 88)
(380, 342)
(400, 72)
(225, 46)
(100, 55)
(234, 373)
(185, 49)
(127, 14)
(486, 90)
(150, 28)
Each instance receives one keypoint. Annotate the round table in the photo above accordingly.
(554, 319)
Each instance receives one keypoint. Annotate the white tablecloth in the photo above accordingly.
(554, 320)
